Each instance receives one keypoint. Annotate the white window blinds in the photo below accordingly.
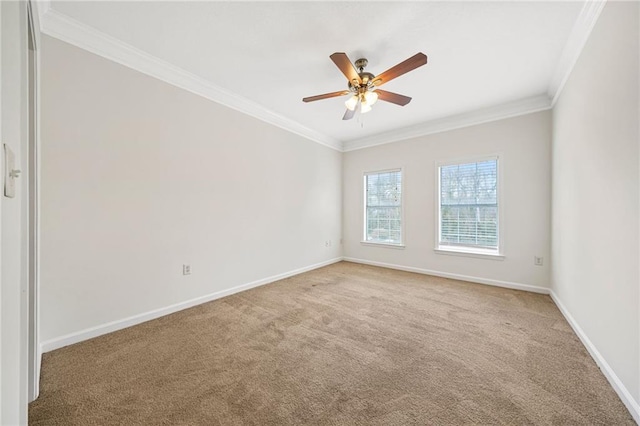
(383, 207)
(469, 205)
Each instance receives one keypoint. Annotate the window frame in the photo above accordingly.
(364, 241)
(470, 251)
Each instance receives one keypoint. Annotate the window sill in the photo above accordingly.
(480, 254)
(386, 245)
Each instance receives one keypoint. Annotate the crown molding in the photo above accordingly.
(484, 115)
(41, 7)
(38, 9)
(62, 27)
(573, 48)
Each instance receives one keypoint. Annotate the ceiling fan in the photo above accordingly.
(363, 86)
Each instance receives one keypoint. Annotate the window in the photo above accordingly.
(383, 207)
(468, 207)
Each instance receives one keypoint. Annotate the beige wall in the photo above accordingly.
(524, 147)
(595, 192)
(139, 177)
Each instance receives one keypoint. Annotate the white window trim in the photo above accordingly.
(472, 251)
(385, 245)
(401, 244)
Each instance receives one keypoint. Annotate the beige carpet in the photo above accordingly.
(345, 344)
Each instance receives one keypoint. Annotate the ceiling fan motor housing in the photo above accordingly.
(367, 83)
(365, 77)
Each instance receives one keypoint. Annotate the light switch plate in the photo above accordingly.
(9, 166)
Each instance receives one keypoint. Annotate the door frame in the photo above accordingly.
(33, 192)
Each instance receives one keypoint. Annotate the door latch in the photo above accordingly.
(10, 172)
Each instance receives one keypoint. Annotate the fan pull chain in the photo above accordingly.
(361, 120)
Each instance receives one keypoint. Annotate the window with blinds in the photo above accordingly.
(469, 205)
(383, 207)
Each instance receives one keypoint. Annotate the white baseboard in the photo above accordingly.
(616, 383)
(477, 280)
(99, 330)
(614, 380)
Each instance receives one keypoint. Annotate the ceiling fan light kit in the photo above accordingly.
(363, 86)
(352, 102)
(366, 100)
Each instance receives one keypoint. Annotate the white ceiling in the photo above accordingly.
(481, 54)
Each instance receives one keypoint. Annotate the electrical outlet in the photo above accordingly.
(538, 261)
(186, 269)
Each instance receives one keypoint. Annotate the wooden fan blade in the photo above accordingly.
(325, 96)
(344, 64)
(348, 114)
(417, 60)
(394, 98)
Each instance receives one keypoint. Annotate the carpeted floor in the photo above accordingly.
(346, 344)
